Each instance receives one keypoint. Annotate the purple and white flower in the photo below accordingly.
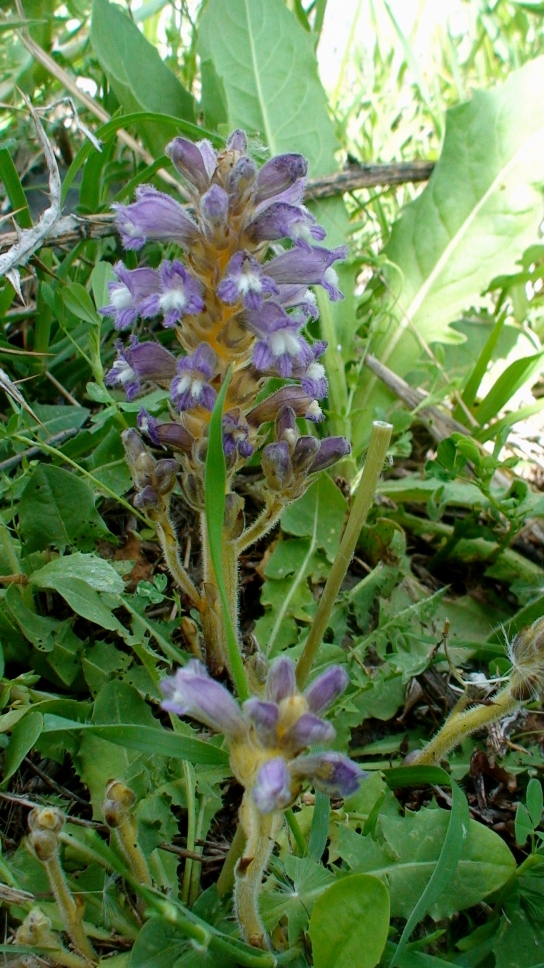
(191, 385)
(140, 362)
(128, 292)
(309, 266)
(281, 220)
(154, 215)
(180, 295)
(245, 280)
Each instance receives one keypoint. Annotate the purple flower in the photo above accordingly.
(235, 435)
(245, 280)
(191, 692)
(278, 174)
(308, 729)
(196, 162)
(308, 266)
(164, 434)
(276, 465)
(237, 141)
(263, 716)
(190, 387)
(290, 396)
(241, 181)
(331, 450)
(214, 206)
(281, 682)
(324, 690)
(332, 773)
(304, 453)
(312, 374)
(128, 293)
(138, 362)
(281, 220)
(272, 790)
(154, 216)
(180, 295)
(298, 297)
(281, 347)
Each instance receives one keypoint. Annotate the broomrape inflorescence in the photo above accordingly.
(238, 304)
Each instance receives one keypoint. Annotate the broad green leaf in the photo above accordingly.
(523, 827)
(295, 895)
(38, 629)
(76, 298)
(299, 517)
(350, 922)
(135, 70)
(263, 66)
(23, 737)
(57, 508)
(94, 571)
(409, 855)
(158, 945)
(83, 599)
(479, 211)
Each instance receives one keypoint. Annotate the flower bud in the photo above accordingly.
(272, 789)
(332, 773)
(324, 690)
(281, 681)
(276, 465)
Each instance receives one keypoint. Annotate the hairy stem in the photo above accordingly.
(362, 502)
(71, 915)
(261, 526)
(261, 830)
(461, 724)
(170, 550)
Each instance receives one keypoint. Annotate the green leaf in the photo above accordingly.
(535, 801)
(514, 377)
(95, 571)
(409, 855)
(523, 827)
(86, 602)
(349, 923)
(446, 866)
(57, 508)
(77, 300)
(299, 517)
(144, 739)
(263, 70)
(23, 737)
(158, 945)
(295, 895)
(12, 184)
(215, 489)
(136, 72)
(480, 210)
(320, 825)
(38, 629)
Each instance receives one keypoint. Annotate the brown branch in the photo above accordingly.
(75, 228)
(367, 176)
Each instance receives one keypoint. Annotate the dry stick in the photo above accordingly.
(367, 176)
(364, 496)
(72, 228)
